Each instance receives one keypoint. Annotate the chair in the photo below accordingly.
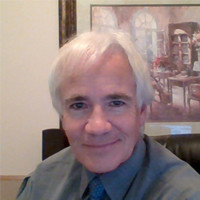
(164, 96)
(184, 146)
(193, 93)
(53, 140)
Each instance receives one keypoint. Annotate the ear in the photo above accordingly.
(60, 117)
(61, 121)
(143, 114)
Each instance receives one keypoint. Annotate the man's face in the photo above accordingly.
(100, 114)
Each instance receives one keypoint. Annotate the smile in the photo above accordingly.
(96, 146)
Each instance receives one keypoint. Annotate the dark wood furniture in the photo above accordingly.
(182, 52)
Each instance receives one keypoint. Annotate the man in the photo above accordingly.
(101, 89)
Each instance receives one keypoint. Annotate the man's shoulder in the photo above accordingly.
(64, 156)
(61, 162)
(171, 175)
(51, 174)
(160, 156)
(161, 160)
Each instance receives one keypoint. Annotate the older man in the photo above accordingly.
(101, 89)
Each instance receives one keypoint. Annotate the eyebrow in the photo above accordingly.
(114, 96)
(118, 96)
(76, 98)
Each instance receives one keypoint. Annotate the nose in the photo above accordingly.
(97, 123)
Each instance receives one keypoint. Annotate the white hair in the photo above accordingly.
(85, 49)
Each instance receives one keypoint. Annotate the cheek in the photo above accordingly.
(129, 126)
(129, 120)
(72, 128)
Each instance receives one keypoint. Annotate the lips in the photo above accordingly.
(96, 146)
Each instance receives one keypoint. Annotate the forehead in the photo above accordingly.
(108, 74)
(113, 60)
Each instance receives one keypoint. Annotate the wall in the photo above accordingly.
(29, 42)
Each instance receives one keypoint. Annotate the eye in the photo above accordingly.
(78, 106)
(116, 103)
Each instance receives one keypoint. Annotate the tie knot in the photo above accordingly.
(96, 189)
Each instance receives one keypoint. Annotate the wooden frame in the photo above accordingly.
(67, 20)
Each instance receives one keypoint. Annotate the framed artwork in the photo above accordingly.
(166, 33)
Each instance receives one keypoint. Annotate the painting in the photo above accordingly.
(168, 38)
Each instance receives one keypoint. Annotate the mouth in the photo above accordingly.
(99, 146)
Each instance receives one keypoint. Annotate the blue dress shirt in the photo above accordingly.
(151, 173)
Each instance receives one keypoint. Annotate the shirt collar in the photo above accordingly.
(120, 179)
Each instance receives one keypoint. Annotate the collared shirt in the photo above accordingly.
(151, 173)
(124, 175)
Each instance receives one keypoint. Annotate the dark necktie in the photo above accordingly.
(96, 189)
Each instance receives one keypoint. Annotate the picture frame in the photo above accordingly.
(74, 15)
(67, 20)
(79, 20)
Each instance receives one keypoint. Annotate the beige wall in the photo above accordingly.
(29, 42)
